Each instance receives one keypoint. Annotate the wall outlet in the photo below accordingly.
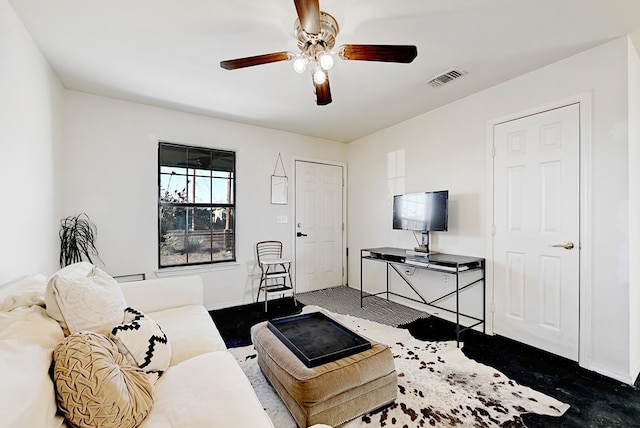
(445, 279)
(282, 219)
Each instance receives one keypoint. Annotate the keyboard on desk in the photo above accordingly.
(431, 265)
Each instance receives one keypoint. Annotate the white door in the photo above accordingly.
(319, 226)
(537, 228)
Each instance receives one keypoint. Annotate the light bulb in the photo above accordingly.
(300, 64)
(319, 77)
(326, 61)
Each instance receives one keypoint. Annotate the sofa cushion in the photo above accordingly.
(83, 297)
(143, 342)
(209, 390)
(190, 331)
(97, 386)
(27, 339)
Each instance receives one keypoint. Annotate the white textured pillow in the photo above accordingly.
(143, 342)
(84, 301)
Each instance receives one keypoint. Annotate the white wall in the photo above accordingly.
(445, 149)
(634, 204)
(30, 100)
(110, 172)
(109, 164)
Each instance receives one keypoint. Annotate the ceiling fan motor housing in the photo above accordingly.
(326, 38)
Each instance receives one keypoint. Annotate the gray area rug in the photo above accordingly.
(437, 386)
(346, 301)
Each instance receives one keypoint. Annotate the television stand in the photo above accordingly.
(398, 259)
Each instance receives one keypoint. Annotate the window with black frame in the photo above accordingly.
(196, 205)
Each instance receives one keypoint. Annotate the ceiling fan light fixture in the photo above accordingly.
(319, 76)
(300, 64)
(326, 60)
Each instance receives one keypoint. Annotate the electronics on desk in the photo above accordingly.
(388, 257)
(431, 265)
(423, 254)
(417, 262)
(422, 212)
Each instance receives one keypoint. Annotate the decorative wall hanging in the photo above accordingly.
(279, 184)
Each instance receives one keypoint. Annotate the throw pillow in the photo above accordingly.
(143, 342)
(96, 385)
(83, 297)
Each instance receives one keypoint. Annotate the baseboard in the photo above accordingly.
(635, 374)
(622, 377)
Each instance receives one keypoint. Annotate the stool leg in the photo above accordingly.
(259, 288)
(265, 298)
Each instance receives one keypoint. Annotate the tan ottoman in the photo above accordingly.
(331, 393)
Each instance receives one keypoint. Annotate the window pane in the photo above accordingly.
(202, 190)
(172, 156)
(224, 161)
(200, 240)
(223, 245)
(173, 188)
(222, 191)
(173, 221)
(223, 234)
(199, 158)
(200, 219)
(199, 247)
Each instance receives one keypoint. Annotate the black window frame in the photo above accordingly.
(226, 160)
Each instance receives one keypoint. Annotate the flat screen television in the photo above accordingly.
(424, 212)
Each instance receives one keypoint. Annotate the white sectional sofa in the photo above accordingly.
(203, 386)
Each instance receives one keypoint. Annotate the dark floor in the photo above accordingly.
(595, 400)
(234, 323)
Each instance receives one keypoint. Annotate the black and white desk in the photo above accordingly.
(399, 259)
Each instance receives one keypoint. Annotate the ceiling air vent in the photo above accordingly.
(446, 77)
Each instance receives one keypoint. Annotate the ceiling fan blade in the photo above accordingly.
(250, 61)
(384, 53)
(309, 15)
(323, 92)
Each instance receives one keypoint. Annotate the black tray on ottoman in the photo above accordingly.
(317, 339)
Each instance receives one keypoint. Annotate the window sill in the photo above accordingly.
(181, 270)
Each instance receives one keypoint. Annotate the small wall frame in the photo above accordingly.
(279, 189)
(279, 184)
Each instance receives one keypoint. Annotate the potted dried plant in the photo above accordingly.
(77, 239)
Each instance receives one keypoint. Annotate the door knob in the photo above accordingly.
(567, 245)
(299, 234)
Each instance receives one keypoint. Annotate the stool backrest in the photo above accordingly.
(269, 250)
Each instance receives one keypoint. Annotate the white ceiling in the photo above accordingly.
(167, 53)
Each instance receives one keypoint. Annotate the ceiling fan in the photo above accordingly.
(316, 32)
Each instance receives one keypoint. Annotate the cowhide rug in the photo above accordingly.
(437, 386)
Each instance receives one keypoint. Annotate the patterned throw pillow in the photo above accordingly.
(97, 386)
(143, 342)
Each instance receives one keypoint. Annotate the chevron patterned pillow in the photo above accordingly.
(143, 342)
